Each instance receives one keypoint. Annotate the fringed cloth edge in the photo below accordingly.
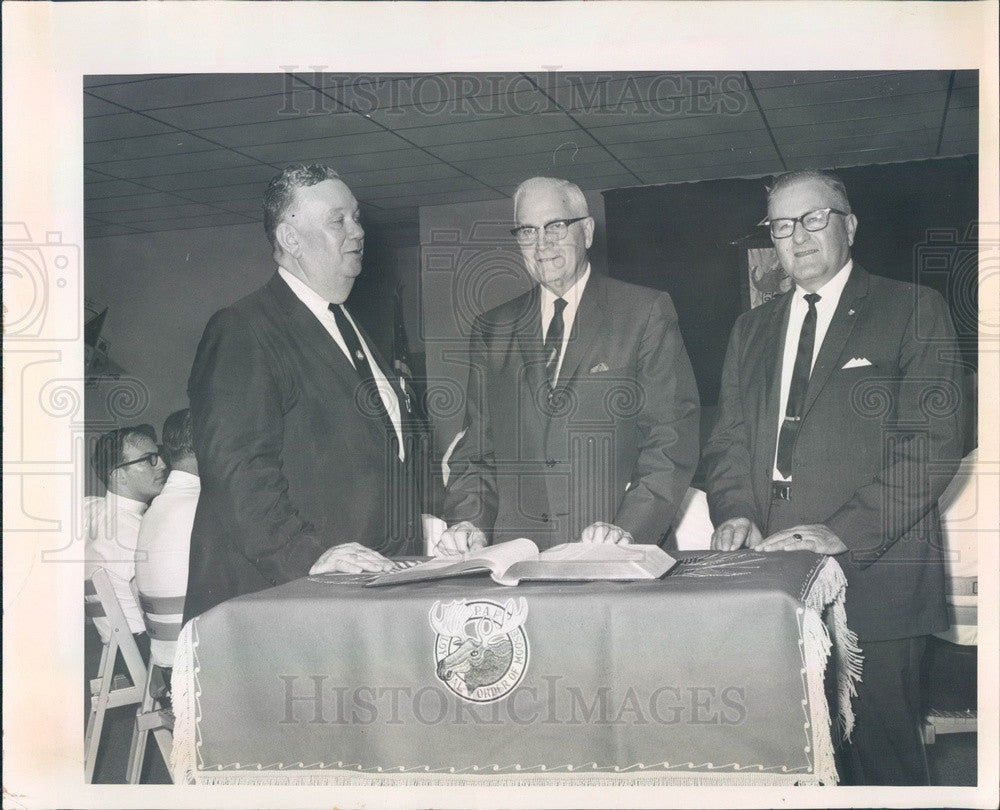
(826, 595)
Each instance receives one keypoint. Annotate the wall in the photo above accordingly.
(469, 263)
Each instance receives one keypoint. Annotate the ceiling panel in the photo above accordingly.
(123, 125)
(171, 164)
(513, 148)
(168, 143)
(500, 128)
(204, 150)
(148, 94)
(881, 86)
(301, 128)
(325, 150)
(278, 107)
(220, 177)
(132, 202)
(99, 230)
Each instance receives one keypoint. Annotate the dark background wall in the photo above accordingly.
(916, 223)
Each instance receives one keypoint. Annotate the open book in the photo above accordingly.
(509, 563)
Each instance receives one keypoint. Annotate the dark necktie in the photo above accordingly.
(797, 390)
(553, 342)
(371, 401)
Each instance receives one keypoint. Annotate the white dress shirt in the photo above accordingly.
(321, 309)
(161, 553)
(112, 526)
(829, 297)
(572, 299)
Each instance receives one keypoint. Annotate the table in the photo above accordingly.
(712, 675)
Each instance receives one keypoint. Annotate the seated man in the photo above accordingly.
(161, 556)
(128, 463)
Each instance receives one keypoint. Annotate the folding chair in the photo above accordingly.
(100, 601)
(163, 617)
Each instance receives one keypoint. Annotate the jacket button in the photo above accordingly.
(545, 517)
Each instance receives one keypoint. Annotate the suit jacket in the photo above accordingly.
(618, 440)
(290, 461)
(876, 446)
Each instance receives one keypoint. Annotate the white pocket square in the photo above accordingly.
(857, 362)
(599, 368)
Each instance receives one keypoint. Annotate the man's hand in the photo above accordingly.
(735, 533)
(814, 537)
(350, 558)
(606, 533)
(459, 539)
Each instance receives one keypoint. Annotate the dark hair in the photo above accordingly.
(177, 440)
(109, 450)
(280, 192)
(829, 179)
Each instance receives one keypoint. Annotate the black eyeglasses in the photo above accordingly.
(152, 459)
(554, 231)
(811, 220)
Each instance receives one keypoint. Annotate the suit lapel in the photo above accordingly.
(844, 318)
(528, 329)
(591, 319)
(769, 349)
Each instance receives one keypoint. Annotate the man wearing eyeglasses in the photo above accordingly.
(129, 464)
(582, 414)
(839, 425)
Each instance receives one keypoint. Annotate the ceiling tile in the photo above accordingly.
(131, 202)
(458, 183)
(859, 157)
(764, 80)
(646, 165)
(377, 161)
(404, 174)
(861, 127)
(169, 91)
(137, 216)
(92, 105)
(573, 172)
(751, 139)
(325, 150)
(168, 143)
(124, 125)
(514, 147)
(966, 78)
(749, 168)
(553, 159)
(850, 111)
(227, 193)
(437, 199)
(512, 127)
(965, 96)
(297, 128)
(278, 107)
(680, 127)
(111, 188)
(959, 146)
(879, 87)
(96, 231)
(922, 139)
(173, 164)
(219, 177)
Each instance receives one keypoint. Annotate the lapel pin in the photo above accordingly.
(850, 312)
(360, 355)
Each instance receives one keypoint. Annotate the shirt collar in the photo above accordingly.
(318, 305)
(829, 293)
(121, 503)
(571, 296)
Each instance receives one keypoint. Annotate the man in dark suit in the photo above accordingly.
(582, 414)
(838, 428)
(298, 423)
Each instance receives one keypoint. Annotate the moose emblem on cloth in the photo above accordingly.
(481, 649)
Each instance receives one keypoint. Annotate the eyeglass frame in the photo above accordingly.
(802, 219)
(152, 459)
(544, 229)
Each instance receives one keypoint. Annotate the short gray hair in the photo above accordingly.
(829, 179)
(571, 191)
(280, 192)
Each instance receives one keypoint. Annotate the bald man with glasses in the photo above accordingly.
(839, 426)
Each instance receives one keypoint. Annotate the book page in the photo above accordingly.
(591, 552)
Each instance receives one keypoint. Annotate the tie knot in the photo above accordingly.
(811, 299)
(560, 304)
